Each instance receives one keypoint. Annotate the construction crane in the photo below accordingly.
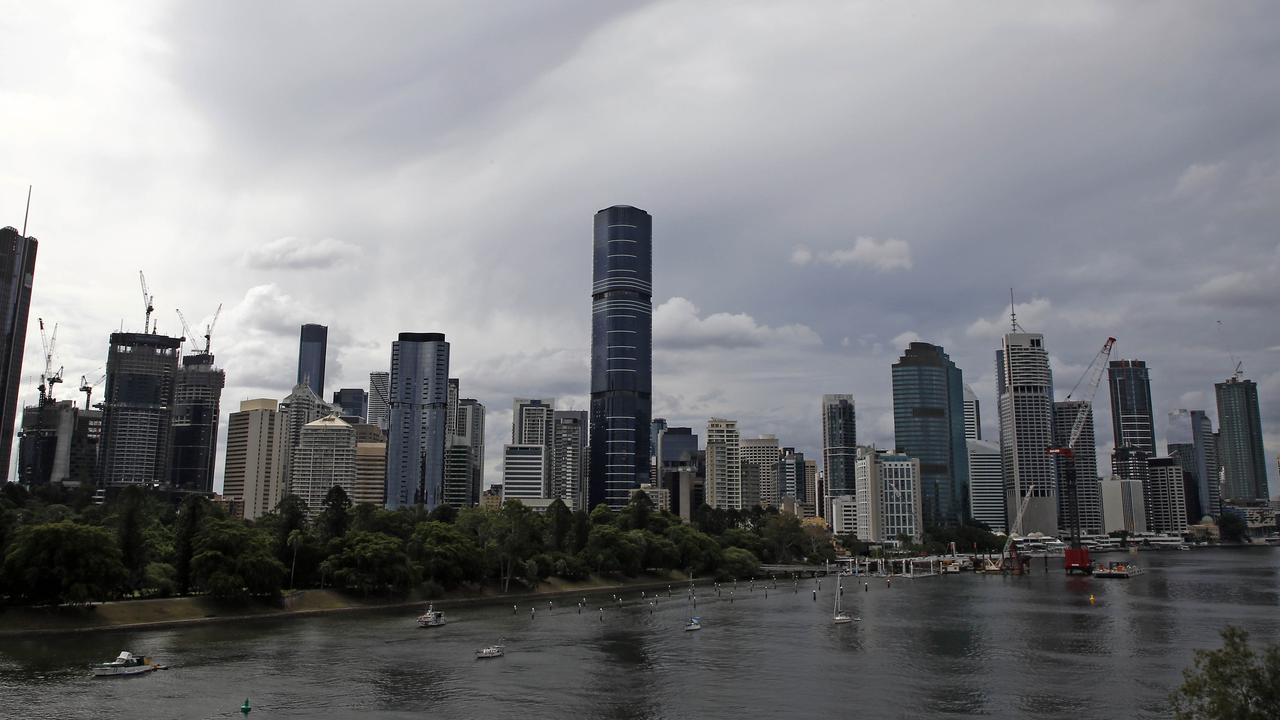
(148, 302)
(1077, 556)
(1008, 551)
(208, 330)
(87, 387)
(48, 378)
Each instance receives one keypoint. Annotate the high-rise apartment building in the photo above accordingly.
(986, 485)
(812, 499)
(313, 344)
(1190, 439)
(1131, 410)
(1166, 507)
(760, 466)
(300, 407)
(371, 465)
(839, 444)
(17, 273)
(532, 421)
(1024, 385)
(1244, 464)
(416, 442)
(253, 476)
(928, 424)
(524, 472)
(325, 457)
(352, 403)
(888, 497)
(379, 395)
(1086, 497)
(569, 458)
(464, 463)
(197, 398)
(724, 465)
(972, 415)
(790, 475)
(137, 416)
(621, 354)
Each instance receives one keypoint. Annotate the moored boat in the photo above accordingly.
(126, 663)
(1116, 570)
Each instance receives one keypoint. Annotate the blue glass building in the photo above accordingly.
(621, 353)
(416, 440)
(312, 345)
(928, 424)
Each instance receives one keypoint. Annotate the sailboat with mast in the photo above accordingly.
(695, 623)
(841, 617)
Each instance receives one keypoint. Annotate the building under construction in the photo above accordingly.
(197, 396)
(137, 410)
(58, 444)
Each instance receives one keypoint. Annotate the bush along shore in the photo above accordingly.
(178, 611)
(63, 554)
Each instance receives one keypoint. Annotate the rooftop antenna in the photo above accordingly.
(26, 214)
(1013, 313)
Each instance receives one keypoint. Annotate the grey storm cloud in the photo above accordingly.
(817, 171)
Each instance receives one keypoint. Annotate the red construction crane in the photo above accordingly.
(1077, 556)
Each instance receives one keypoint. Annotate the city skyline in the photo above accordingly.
(748, 273)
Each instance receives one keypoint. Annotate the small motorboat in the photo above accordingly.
(493, 651)
(695, 623)
(431, 618)
(1121, 570)
(126, 663)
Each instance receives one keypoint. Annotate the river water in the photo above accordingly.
(957, 645)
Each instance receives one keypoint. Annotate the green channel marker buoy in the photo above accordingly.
(244, 709)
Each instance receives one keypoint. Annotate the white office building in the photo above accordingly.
(1025, 386)
(1123, 507)
(524, 472)
(844, 515)
(888, 496)
(986, 484)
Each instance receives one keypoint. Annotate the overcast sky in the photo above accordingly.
(828, 182)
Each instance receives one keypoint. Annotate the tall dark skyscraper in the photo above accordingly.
(1244, 464)
(17, 272)
(416, 442)
(839, 445)
(312, 346)
(137, 416)
(1131, 416)
(928, 424)
(196, 400)
(621, 353)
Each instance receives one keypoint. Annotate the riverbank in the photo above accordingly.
(173, 612)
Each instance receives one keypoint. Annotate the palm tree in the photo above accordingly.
(295, 540)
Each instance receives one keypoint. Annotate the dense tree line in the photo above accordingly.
(56, 546)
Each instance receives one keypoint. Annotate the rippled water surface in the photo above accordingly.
(958, 645)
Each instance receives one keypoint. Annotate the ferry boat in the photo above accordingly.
(1116, 570)
(431, 618)
(1165, 542)
(126, 663)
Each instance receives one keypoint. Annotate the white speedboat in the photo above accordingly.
(493, 651)
(431, 618)
(695, 623)
(126, 663)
